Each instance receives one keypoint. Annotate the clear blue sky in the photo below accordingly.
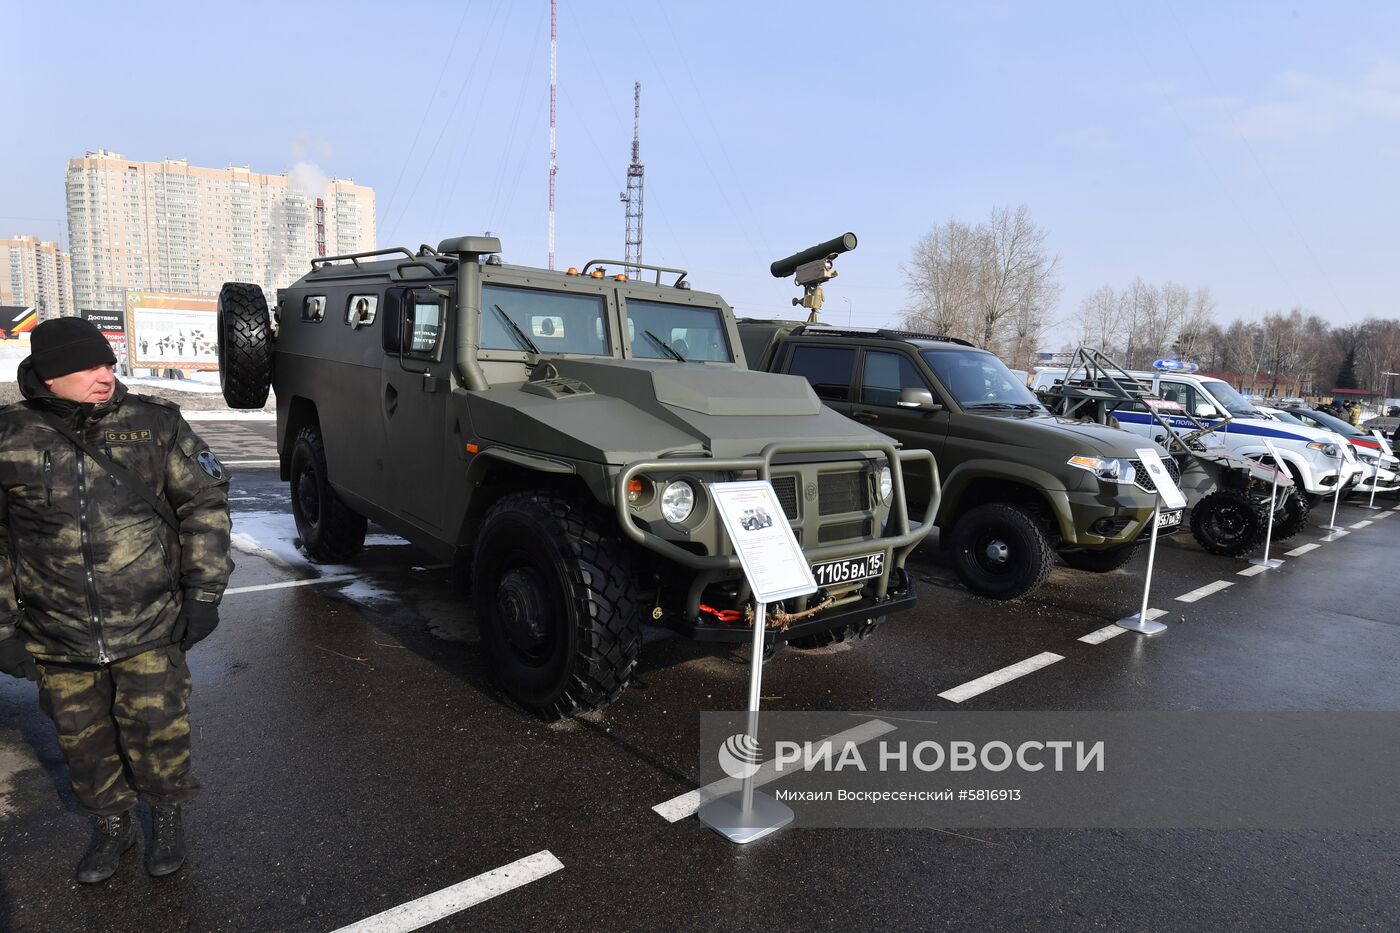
(1250, 148)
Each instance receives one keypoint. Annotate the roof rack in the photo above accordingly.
(887, 333)
(680, 274)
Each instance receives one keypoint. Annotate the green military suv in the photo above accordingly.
(554, 435)
(1019, 485)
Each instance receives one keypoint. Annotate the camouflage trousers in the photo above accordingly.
(124, 729)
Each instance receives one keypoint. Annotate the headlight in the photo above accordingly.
(886, 484)
(1110, 468)
(1370, 461)
(1328, 449)
(677, 502)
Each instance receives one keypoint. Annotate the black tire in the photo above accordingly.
(245, 345)
(331, 532)
(556, 603)
(1001, 551)
(1230, 522)
(1291, 516)
(832, 636)
(1102, 561)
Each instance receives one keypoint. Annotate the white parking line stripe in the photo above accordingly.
(1333, 536)
(1251, 571)
(433, 907)
(1300, 551)
(1384, 515)
(1359, 525)
(1201, 592)
(1102, 635)
(251, 462)
(996, 678)
(289, 583)
(678, 808)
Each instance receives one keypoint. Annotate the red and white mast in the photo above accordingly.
(553, 129)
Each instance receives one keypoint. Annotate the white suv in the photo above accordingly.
(1313, 456)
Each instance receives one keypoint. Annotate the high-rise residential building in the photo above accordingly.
(35, 273)
(172, 227)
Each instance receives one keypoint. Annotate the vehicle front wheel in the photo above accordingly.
(1102, 561)
(556, 603)
(331, 531)
(1230, 522)
(1001, 551)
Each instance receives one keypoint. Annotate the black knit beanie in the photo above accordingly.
(64, 345)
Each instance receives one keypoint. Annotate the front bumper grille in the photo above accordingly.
(841, 492)
(1143, 480)
(786, 488)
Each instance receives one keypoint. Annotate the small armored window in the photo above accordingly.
(313, 309)
(360, 310)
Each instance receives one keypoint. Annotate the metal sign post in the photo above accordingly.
(1376, 470)
(1168, 493)
(1346, 456)
(1273, 504)
(776, 569)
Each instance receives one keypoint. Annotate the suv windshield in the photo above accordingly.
(977, 379)
(1236, 404)
(661, 331)
(528, 319)
(1320, 419)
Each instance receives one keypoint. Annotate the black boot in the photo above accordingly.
(167, 843)
(114, 835)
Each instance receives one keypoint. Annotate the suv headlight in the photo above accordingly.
(886, 484)
(1328, 449)
(677, 502)
(1369, 460)
(1110, 468)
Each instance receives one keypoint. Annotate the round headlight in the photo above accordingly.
(677, 502)
(886, 484)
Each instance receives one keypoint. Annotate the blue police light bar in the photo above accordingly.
(1175, 366)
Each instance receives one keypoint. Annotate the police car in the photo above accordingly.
(1317, 459)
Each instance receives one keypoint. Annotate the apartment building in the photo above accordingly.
(36, 273)
(172, 227)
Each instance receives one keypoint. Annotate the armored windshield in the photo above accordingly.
(544, 322)
(1236, 404)
(978, 380)
(664, 331)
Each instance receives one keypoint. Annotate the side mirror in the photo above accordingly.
(921, 399)
(391, 310)
(1206, 410)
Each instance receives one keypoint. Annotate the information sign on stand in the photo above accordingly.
(1170, 495)
(1348, 455)
(1264, 561)
(1376, 470)
(776, 570)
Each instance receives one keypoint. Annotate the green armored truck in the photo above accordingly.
(553, 434)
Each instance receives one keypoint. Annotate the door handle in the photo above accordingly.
(391, 399)
(866, 417)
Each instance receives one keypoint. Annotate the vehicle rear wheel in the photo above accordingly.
(556, 603)
(1000, 551)
(244, 329)
(331, 532)
(1230, 522)
(1291, 516)
(1101, 561)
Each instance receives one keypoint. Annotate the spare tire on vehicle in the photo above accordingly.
(245, 345)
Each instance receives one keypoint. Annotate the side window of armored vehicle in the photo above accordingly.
(313, 308)
(360, 310)
(828, 369)
(532, 320)
(695, 333)
(884, 375)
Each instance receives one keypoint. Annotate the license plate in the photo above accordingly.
(849, 569)
(1170, 519)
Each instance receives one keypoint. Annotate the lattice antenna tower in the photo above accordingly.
(553, 128)
(632, 197)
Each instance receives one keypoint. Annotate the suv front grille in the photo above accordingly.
(1143, 480)
(841, 492)
(786, 488)
(844, 531)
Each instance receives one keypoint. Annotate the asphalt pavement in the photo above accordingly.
(355, 756)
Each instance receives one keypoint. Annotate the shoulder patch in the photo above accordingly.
(209, 463)
(154, 400)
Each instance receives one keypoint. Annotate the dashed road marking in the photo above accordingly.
(678, 808)
(1300, 551)
(1201, 592)
(996, 678)
(1359, 525)
(1335, 535)
(1251, 571)
(290, 583)
(431, 908)
(1099, 636)
(1384, 515)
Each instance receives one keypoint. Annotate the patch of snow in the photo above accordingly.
(173, 385)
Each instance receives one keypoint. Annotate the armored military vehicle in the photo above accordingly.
(555, 432)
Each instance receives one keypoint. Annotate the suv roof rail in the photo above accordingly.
(680, 274)
(886, 332)
(319, 263)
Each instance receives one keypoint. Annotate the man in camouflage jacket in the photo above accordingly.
(100, 596)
